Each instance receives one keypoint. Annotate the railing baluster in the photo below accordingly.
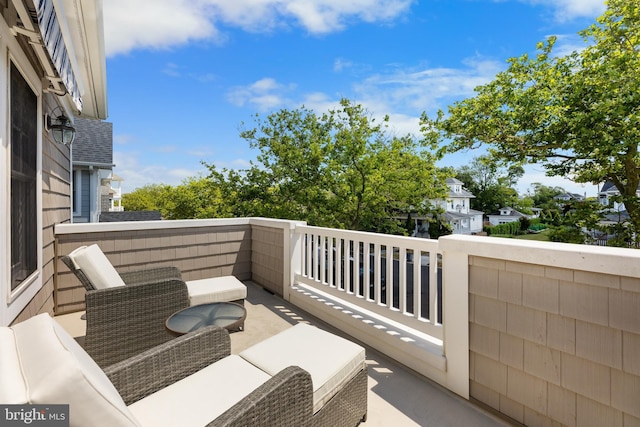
(402, 286)
(330, 262)
(356, 266)
(340, 264)
(366, 277)
(390, 254)
(417, 283)
(347, 265)
(322, 253)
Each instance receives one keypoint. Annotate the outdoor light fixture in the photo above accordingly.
(61, 129)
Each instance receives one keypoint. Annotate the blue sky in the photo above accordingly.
(184, 74)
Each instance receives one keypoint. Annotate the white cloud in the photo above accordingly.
(172, 70)
(136, 174)
(566, 10)
(265, 94)
(567, 44)
(123, 139)
(158, 25)
(409, 92)
(163, 24)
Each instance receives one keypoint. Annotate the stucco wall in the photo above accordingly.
(554, 345)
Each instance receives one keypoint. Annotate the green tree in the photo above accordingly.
(338, 169)
(543, 195)
(148, 198)
(491, 184)
(578, 115)
(197, 198)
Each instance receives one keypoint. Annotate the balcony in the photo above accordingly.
(396, 395)
(543, 333)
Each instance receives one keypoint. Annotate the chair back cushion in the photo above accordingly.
(73, 254)
(13, 389)
(56, 370)
(95, 265)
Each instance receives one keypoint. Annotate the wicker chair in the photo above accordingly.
(182, 382)
(127, 320)
(123, 321)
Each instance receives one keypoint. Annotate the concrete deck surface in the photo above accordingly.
(397, 396)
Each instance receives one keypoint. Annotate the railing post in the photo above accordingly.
(293, 247)
(455, 320)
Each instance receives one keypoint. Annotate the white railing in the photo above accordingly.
(391, 276)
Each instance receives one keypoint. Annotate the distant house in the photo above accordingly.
(92, 164)
(614, 211)
(507, 215)
(607, 192)
(457, 211)
(567, 197)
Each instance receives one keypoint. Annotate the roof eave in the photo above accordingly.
(84, 21)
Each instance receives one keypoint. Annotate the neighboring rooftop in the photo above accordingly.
(93, 143)
(130, 216)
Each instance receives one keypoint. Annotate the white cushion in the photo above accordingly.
(13, 389)
(202, 397)
(215, 289)
(98, 269)
(75, 252)
(331, 360)
(57, 370)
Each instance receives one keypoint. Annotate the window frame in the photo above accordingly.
(12, 302)
(76, 192)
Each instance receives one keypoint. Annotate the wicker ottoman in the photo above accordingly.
(337, 367)
(216, 289)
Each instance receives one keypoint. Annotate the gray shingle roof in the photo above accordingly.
(93, 142)
(130, 216)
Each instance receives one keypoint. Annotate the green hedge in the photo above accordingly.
(510, 228)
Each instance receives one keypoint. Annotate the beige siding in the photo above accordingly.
(267, 258)
(553, 346)
(198, 252)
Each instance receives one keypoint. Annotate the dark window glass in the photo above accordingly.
(24, 145)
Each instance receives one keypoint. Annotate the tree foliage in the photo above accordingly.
(194, 198)
(578, 115)
(491, 184)
(338, 169)
(147, 198)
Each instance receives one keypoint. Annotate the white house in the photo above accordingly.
(457, 212)
(506, 215)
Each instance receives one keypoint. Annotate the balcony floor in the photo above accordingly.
(397, 396)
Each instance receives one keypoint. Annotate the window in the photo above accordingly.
(24, 167)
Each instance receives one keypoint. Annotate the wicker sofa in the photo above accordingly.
(191, 380)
